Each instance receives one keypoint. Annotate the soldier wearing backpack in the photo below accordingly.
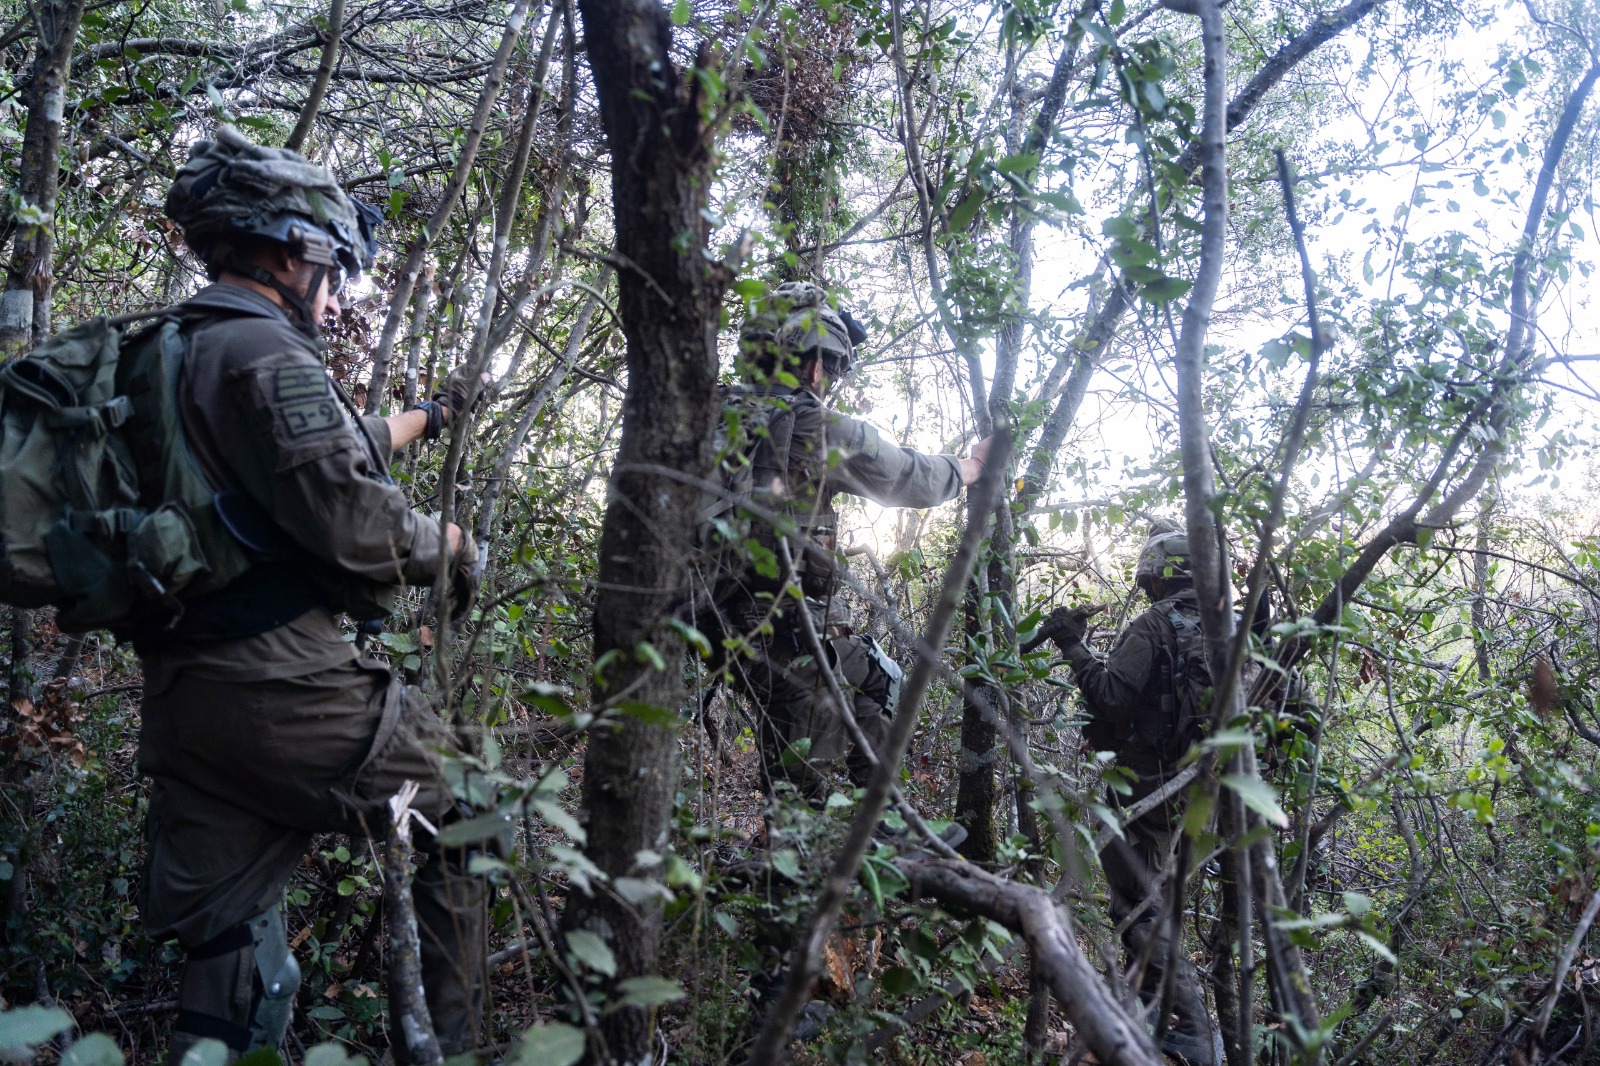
(261, 724)
(1147, 703)
(795, 456)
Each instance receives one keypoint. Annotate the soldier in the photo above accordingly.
(1135, 710)
(261, 723)
(805, 454)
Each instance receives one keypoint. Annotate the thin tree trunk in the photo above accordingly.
(669, 299)
(319, 84)
(1090, 346)
(30, 275)
(417, 250)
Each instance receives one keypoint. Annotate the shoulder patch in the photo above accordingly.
(301, 417)
(871, 443)
(300, 383)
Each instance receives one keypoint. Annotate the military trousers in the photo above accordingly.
(243, 773)
(1132, 865)
(801, 730)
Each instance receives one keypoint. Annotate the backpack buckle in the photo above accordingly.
(99, 419)
(116, 411)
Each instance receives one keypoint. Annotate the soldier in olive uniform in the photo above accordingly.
(1131, 701)
(805, 455)
(261, 723)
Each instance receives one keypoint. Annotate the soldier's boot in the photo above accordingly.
(1190, 1037)
(451, 924)
(238, 988)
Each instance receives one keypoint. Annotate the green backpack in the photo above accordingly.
(104, 512)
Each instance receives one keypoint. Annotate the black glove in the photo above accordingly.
(453, 393)
(1066, 626)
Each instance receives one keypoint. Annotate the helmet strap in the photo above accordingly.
(299, 302)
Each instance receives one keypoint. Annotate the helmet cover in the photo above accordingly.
(231, 186)
(809, 324)
(1165, 554)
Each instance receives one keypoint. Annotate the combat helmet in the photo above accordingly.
(232, 190)
(1165, 556)
(809, 324)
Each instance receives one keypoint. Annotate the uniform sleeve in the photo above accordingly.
(883, 472)
(313, 471)
(378, 430)
(1112, 686)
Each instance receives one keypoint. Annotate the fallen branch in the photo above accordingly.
(1116, 1037)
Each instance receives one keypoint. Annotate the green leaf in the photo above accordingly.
(1020, 163)
(649, 991)
(1166, 290)
(211, 1052)
(266, 1056)
(550, 1044)
(787, 863)
(96, 1049)
(333, 1054)
(483, 827)
(1357, 904)
(647, 653)
(1379, 948)
(592, 952)
(556, 816)
(1258, 796)
(552, 699)
(899, 981)
(26, 1027)
(962, 216)
(680, 13)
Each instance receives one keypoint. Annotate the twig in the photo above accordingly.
(409, 1010)
(1563, 965)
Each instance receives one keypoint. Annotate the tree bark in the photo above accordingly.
(669, 299)
(30, 277)
(319, 84)
(1116, 1038)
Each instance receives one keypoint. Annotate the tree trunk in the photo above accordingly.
(25, 305)
(669, 299)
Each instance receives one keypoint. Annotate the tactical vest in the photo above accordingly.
(771, 452)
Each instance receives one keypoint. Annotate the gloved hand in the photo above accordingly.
(453, 393)
(1067, 625)
(462, 588)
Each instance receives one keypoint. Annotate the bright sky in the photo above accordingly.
(1452, 174)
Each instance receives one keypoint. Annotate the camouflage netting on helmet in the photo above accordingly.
(1165, 554)
(232, 186)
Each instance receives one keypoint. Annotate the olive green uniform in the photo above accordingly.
(1128, 697)
(261, 723)
(827, 453)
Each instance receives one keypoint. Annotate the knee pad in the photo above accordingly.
(277, 976)
(895, 677)
(239, 987)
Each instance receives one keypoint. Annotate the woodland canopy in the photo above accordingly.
(1313, 277)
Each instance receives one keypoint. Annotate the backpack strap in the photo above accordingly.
(97, 419)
